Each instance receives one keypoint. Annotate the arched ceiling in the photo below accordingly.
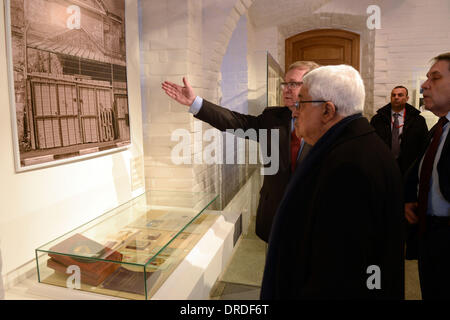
(268, 13)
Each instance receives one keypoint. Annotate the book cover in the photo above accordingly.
(85, 254)
(86, 277)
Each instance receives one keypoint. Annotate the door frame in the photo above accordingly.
(354, 37)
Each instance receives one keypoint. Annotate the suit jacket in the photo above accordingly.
(342, 213)
(443, 168)
(273, 187)
(413, 137)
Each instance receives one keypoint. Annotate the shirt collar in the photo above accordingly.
(401, 113)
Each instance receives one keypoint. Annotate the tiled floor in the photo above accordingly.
(242, 277)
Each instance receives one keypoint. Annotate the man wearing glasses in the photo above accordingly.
(291, 149)
(337, 233)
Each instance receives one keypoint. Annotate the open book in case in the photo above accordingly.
(131, 250)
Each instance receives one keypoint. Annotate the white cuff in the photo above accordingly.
(196, 105)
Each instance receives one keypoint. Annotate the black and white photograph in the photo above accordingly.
(69, 80)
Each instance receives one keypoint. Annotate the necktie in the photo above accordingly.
(395, 137)
(295, 147)
(425, 173)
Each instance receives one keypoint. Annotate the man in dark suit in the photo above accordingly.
(401, 127)
(291, 149)
(338, 231)
(404, 131)
(428, 187)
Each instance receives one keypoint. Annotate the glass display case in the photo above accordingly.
(131, 250)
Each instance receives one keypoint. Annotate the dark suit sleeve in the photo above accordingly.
(343, 244)
(412, 174)
(443, 168)
(223, 119)
(378, 123)
(411, 181)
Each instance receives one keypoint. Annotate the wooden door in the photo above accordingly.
(325, 47)
(89, 115)
(123, 122)
(68, 111)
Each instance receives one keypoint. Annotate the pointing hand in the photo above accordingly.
(184, 95)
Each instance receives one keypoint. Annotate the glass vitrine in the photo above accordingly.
(131, 250)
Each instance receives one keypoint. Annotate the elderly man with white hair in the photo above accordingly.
(338, 233)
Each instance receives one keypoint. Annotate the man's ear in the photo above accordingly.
(329, 111)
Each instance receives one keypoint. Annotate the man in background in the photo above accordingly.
(291, 149)
(428, 187)
(401, 127)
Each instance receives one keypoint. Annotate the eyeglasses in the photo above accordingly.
(298, 103)
(290, 85)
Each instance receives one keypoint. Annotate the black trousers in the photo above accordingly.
(434, 260)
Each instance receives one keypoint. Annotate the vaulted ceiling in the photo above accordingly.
(266, 13)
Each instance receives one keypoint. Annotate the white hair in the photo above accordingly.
(340, 84)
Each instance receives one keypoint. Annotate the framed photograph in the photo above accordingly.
(68, 80)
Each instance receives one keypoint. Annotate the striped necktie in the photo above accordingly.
(395, 136)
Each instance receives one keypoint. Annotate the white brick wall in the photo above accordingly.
(183, 38)
(412, 33)
(171, 48)
(190, 38)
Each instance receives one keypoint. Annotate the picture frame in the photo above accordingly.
(275, 76)
(418, 101)
(67, 72)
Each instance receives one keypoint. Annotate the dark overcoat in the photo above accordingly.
(341, 217)
(413, 137)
